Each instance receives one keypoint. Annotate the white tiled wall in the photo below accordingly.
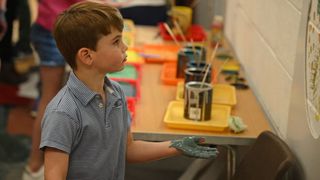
(264, 36)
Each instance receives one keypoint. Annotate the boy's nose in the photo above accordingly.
(125, 47)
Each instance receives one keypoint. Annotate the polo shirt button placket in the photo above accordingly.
(100, 105)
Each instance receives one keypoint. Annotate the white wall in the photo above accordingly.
(265, 35)
(206, 9)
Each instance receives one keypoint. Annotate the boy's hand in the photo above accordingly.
(191, 146)
(3, 24)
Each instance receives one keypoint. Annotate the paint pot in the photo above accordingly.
(184, 57)
(201, 64)
(197, 101)
(201, 49)
(196, 74)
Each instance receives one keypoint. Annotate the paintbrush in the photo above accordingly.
(196, 59)
(209, 64)
(221, 67)
(176, 24)
(212, 57)
(171, 34)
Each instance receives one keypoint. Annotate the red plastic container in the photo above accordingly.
(132, 107)
(195, 32)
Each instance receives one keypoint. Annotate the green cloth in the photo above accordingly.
(236, 124)
(193, 147)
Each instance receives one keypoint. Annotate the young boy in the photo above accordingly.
(86, 127)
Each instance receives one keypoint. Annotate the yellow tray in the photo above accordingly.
(222, 94)
(134, 57)
(219, 118)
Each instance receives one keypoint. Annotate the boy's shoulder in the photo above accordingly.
(64, 102)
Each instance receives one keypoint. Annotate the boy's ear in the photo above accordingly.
(84, 55)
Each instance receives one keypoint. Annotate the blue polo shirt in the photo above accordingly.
(94, 134)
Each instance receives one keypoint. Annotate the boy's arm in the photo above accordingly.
(55, 163)
(142, 151)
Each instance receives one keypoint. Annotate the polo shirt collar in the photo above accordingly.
(85, 94)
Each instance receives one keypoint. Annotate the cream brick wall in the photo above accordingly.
(264, 35)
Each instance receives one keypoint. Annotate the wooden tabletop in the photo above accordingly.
(155, 97)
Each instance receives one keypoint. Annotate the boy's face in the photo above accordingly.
(110, 54)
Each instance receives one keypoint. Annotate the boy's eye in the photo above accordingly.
(116, 41)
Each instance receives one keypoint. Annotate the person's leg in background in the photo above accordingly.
(8, 72)
(23, 46)
(52, 71)
(23, 56)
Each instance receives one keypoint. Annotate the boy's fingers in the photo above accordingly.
(198, 140)
(205, 148)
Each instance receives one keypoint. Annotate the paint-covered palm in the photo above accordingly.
(193, 147)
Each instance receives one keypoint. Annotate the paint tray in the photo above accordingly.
(160, 53)
(231, 68)
(218, 122)
(133, 57)
(131, 88)
(222, 94)
(129, 72)
(131, 107)
(168, 74)
(195, 32)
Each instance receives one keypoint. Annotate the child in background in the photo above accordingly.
(8, 72)
(86, 127)
(52, 74)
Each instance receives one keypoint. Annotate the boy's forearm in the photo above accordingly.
(56, 164)
(142, 151)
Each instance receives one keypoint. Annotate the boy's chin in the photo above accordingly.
(117, 70)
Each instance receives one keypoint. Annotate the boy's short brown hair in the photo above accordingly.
(82, 25)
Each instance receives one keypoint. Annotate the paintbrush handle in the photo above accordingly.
(171, 33)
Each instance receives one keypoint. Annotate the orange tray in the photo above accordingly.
(168, 74)
(222, 94)
(169, 71)
(218, 122)
(160, 53)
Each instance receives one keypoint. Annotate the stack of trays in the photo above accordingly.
(129, 79)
